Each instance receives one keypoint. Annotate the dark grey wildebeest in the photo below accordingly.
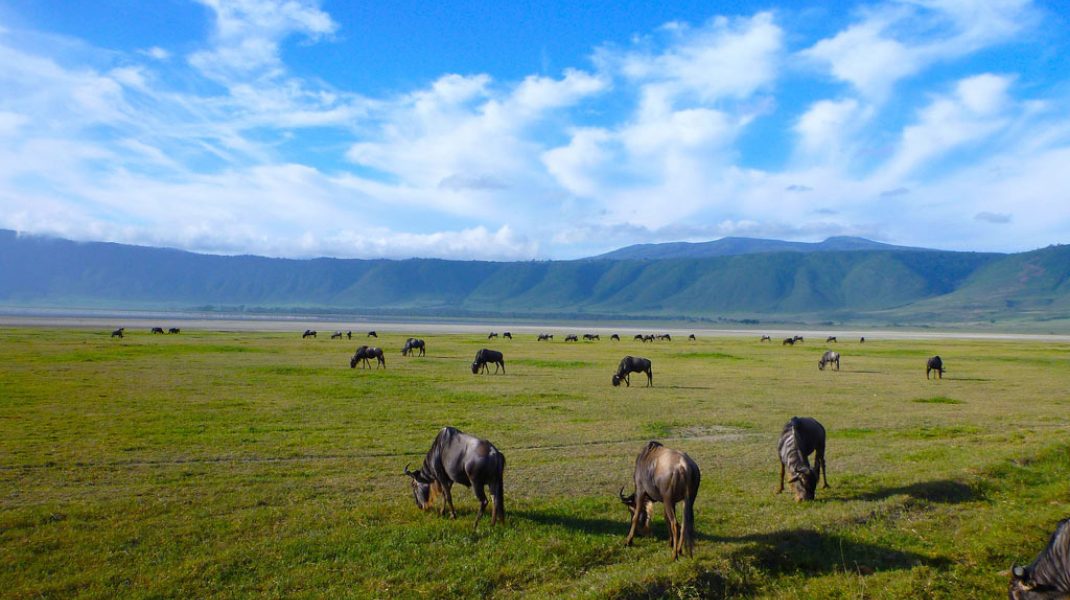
(507, 335)
(667, 476)
(788, 342)
(692, 337)
(934, 364)
(829, 357)
(156, 330)
(336, 335)
(571, 338)
(411, 346)
(456, 457)
(590, 337)
(308, 333)
(1047, 577)
(174, 330)
(364, 353)
(118, 332)
(545, 337)
(766, 338)
(801, 437)
(831, 339)
(633, 364)
(485, 356)
(372, 334)
(614, 338)
(492, 335)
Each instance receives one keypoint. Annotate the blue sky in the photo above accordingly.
(517, 130)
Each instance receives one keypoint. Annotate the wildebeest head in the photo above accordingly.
(424, 491)
(353, 362)
(1023, 587)
(804, 483)
(644, 516)
(475, 367)
(616, 380)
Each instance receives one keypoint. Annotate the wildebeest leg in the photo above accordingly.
(482, 497)
(781, 489)
(628, 379)
(640, 504)
(819, 460)
(675, 531)
(497, 493)
(650, 378)
(447, 501)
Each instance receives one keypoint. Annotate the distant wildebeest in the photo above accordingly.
(692, 337)
(485, 356)
(829, 357)
(862, 340)
(571, 338)
(666, 337)
(349, 335)
(788, 342)
(372, 334)
(1048, 576)
(411, 346)
(934, 364)
(336, 335)
(639, 337)
(174, 330)
(633, 364)
(308, 333)
(118, 332)
(545, 337)
(614, 338)
(457, 457)
(492, 335)
(156, 330)
(798, 339)
(648, 338)
(507, 335)
(364, 353)
(766, 338)
(667, 476)
(800, 437)
(590, 337)
(831, 339)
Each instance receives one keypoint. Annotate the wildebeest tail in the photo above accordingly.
(498, 493)
(689, 514)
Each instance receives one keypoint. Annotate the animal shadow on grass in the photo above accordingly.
(584, 524)
(944, 491)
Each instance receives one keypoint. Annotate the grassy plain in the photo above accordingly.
(212, 464)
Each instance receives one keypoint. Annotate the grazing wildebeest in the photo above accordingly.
(766, 338)
(545, 337)
(1048, 576)
(667, 476)
(457, 457)
(934, 364)
(372, 334)
(614, 338)
(336, 335)
(492, 335)
(798, 339)
(118, 332)
(862, 340)
(666, 337)
(156, 330)
(829, 357)
(349, 335)
(174, 330)
(830, 339)
(507, 335)
(485, 356)
(308, 333)
(411, 346)
(364, 353)
(648, 338)
(590, 337)
(571, 338)
(788, 342)
(633, 364)
(692, 337)
(639, 337)
(801, 436)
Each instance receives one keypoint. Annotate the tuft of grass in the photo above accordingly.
(937, 400)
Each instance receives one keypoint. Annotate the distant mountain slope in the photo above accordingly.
(733, 246)
(37, 271)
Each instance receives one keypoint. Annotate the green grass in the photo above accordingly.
(260, 465)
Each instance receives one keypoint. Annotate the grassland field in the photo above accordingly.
(245, 464)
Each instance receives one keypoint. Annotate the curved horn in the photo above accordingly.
(408, 472)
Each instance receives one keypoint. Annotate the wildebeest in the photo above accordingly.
(766, 338)
(457, 457)
(492, 335)
(349, 335)
(692, 337)
(862, 340)
(590, 337)
(667, 476)
(507, 335)
(308, 333)
(372, 334)
(411, 346)
(336, 335)
(800, 437)
(1048, 576)
(485, 356)
(829, 357)
(639, 337)
(364, 353)
(614, 338)
(934, 364)
(118, 332)
(788, 342)
(156, 330)
(545, 337)
(798, 339)
(666, 337)
(174, 330)
(571, 338)
(648, 338)
(830, 339)
(633, 364)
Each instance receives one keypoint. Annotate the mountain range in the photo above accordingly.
(843, 280)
